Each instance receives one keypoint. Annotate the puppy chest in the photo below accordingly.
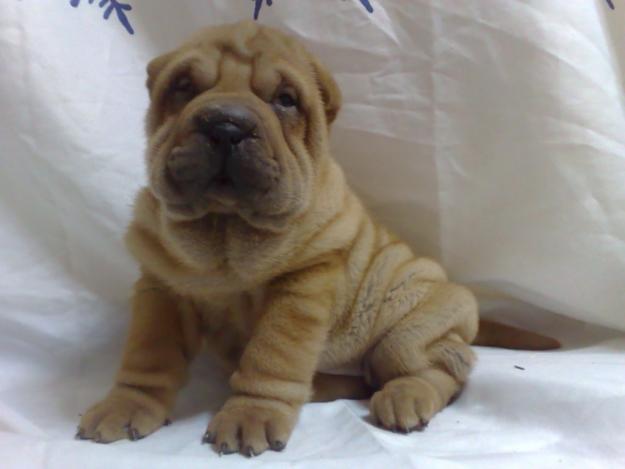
(228, 323)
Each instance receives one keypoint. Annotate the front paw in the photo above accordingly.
(124, 413)
(251, 425)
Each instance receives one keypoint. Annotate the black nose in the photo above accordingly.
(225, 133)
(226, 124)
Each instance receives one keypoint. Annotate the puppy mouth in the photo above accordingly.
(223, 190)
(223, 182)
(219, 197)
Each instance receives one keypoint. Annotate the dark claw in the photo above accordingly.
(422, 426)
(249, 452)
(97, 438)
(208, 438)
(166, 422)
(277, 445)
(225, 449)
(133, 434)
(80, 434)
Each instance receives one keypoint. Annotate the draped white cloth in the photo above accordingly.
(490, 134)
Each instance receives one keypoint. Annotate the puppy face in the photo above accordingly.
(237, 125)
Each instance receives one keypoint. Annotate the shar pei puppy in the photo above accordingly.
(251, 242)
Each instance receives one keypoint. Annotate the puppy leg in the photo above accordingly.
(423, 361)
(275, 373)
(161, 342)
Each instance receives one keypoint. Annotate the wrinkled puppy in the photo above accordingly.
(250, 240)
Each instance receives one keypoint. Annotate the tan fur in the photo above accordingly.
(303, 286)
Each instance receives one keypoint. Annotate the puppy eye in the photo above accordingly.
(182, 83)
(287, 100)
(184, 87)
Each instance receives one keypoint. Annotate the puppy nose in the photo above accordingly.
(226, 133)
(226, 125)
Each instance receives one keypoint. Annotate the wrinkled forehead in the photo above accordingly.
(246, 40)
(242, 56)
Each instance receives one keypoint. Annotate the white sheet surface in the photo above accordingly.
(489, 134)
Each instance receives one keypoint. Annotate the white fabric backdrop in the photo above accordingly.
(489, 134)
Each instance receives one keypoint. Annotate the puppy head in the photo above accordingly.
(238, 124)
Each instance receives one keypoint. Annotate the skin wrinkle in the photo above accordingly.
(335, 219)
(348, 318)
(165, 78)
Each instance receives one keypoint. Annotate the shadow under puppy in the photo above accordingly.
(250, 241)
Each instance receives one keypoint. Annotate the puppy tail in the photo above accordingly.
(493, 334)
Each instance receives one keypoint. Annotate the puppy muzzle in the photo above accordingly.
(224, 153)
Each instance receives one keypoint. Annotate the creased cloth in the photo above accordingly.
(489, 134)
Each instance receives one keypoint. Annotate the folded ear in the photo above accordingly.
(330, 91)
(155, 67)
